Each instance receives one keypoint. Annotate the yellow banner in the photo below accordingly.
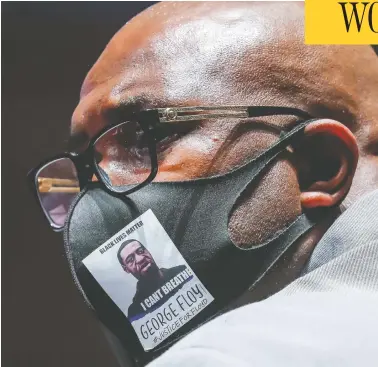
(341, 22)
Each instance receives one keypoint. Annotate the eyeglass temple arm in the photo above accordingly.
(176, 114)
(47, 184)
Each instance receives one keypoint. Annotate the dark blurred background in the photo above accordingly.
(47, 49)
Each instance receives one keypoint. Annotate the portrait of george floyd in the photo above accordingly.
(138, 261)
(146, 276)
(219, 197)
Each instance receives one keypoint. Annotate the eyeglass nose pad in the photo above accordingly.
(86, 174)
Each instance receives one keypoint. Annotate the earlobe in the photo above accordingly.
(331, 191)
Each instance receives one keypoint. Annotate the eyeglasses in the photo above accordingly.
(123, 156)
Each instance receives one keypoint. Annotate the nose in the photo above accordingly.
(139, 258)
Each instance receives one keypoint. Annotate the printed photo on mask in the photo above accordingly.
(145, 275)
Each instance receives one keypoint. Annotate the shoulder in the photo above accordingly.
(135, 312)
(135, 305)
(174, 271)
(132, 310)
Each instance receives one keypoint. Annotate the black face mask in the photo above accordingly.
(195, 214)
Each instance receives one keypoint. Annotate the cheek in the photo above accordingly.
(148, 257)
(213, 150)
(189, 159)
(266, 207)
(241, 149)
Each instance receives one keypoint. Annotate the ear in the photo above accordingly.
(328, 157)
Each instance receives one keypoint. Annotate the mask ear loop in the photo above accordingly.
(299, 227)
(256, 166)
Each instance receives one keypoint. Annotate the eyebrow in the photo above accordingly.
(133, 253)
(126, 109)
(129, 257)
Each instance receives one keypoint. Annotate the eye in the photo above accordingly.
(129, 135)
(140, 251)
(130, 259)
(122, 135)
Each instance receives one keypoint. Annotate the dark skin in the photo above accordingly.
(195, 54)
(138, 261)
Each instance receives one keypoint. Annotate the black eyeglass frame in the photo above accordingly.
(86, 165)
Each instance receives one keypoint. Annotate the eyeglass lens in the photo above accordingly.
(57, 186)
(123, 157)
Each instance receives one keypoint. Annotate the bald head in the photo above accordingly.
(231, 53)
(190, 54)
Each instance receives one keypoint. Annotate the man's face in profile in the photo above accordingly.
(202, 54)
(137, 260)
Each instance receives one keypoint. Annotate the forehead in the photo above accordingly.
(178, 41)
(182, 54)
(129, 249)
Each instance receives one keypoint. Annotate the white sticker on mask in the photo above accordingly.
(145, 275)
